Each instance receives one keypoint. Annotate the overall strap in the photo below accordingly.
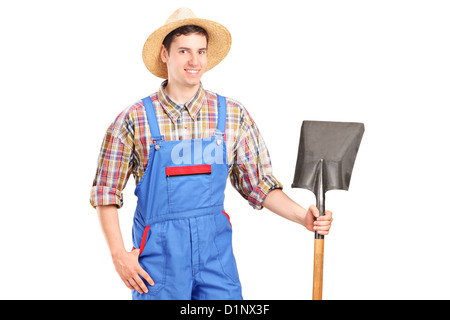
(222, 113)
(152, 121)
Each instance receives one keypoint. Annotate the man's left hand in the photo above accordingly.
(315, 222)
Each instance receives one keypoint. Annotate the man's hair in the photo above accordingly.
(184, 30)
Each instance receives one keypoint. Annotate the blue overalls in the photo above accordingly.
(180, 226)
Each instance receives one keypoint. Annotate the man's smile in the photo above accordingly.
(192, 71)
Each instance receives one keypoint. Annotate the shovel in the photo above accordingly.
(326, 155)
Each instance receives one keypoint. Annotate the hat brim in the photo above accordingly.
(219, 44)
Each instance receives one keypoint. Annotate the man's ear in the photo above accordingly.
(164, 54)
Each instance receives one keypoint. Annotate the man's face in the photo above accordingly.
(186, 61)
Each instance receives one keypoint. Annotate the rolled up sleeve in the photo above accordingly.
(251, 173)
(113, 170)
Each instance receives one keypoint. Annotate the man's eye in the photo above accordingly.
(202, 52)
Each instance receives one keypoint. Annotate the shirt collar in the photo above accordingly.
(174, 110)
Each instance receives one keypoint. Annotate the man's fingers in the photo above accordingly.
(146, 276)
(141, 285)
(323, 223)
(328, 216)
(328, 213)
(134, 285)
(314, 211)
(127, 283)
(322, 228)
(137, 284)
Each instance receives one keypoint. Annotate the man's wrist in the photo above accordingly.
(117, 254)
(300, 215)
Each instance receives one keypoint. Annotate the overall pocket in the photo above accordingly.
(223, 243)
(152, 256)
(189, 187)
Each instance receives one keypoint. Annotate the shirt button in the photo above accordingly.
(219, 142)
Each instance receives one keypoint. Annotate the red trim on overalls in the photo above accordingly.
(144, 239)
(187, 170)
(227, 217)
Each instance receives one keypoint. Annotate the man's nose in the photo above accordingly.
(194, 60)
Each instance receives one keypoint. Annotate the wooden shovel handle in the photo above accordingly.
(318, 268)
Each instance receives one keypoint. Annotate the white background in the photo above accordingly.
(68, 68)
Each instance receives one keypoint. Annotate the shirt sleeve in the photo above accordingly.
(115, 165)
(251, 173)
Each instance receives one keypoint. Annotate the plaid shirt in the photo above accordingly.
(126, 145)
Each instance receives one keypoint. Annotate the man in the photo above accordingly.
(181, 143)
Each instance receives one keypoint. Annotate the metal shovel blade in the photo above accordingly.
(326, 155)
(336, 144)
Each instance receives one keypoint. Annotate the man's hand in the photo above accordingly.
(126, 263)
(314, 222)
(130, 271)
(278, 202)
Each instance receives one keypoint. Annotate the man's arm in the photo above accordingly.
(126, 263)
(278, 202)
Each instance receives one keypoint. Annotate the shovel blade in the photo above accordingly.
(332, 146)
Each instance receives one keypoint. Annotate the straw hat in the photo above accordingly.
(219, 41)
